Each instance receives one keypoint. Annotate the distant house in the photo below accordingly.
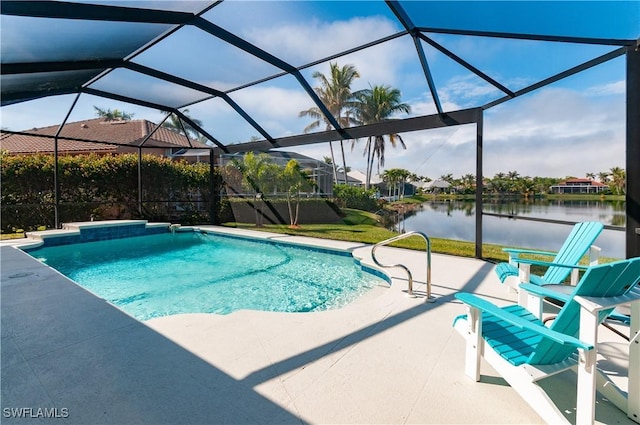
(128, 135)
(438, 186)
(578, 186)
(351, 180)
(358, 178)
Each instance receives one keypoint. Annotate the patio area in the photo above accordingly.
(386, 358)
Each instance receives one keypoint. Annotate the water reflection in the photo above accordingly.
(456, 220)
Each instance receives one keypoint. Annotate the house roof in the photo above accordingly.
(440, 184)
(73, 137)
(360, 176)
(350, 178)
(582, 181)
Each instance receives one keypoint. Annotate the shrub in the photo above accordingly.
(355, 197)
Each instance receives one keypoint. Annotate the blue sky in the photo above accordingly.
(572, 127)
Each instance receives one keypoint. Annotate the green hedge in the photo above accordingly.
(101, 187)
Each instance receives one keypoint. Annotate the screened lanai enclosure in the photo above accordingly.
(246, 76)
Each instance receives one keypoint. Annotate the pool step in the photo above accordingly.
(91, 231)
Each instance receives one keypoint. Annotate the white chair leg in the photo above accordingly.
(633, 410)
(586, 396)
(473, 351)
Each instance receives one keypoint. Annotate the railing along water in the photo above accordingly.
(429, 298)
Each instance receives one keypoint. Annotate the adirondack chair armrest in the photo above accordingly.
(595, 304)
(545, 291)
(514, 253)
(549, 264)
(487, 307)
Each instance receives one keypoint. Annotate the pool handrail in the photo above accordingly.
(429, 298)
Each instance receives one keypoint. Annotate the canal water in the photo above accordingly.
(456, 220)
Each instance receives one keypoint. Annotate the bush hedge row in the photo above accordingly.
(100, 187)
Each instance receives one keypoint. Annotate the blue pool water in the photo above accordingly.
(161, 275)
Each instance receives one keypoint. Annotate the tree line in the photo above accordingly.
(510, 182)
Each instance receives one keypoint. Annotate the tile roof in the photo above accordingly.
(130, 133)
(584, 181)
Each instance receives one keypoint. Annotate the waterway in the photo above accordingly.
(453, 219)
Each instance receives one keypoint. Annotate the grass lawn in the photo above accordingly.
(362, 226)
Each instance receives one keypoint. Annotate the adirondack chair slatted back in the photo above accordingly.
(607, 280)
(574, 248)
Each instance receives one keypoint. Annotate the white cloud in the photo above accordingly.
(272, 102)
(465, 88)
(617, 87)
(310, 40)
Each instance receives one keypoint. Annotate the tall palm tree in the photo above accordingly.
(618, 179)
(390, 177)
(375, 104)
(335, 93)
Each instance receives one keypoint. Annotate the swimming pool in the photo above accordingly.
(194, 272)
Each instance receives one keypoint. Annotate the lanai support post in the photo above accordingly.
(56, 182)
(56, 169)
(479, 130)
(213, 189)
(140, 181)
(633, 151)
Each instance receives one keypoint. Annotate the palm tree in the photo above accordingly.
(468, 182)
(390, 177)
(372, 105)
(603, 177)
(294, 180)
(618, 178)
(174, 123)
(259, 174)
(447, 178)
(113, 115)
(335, 93)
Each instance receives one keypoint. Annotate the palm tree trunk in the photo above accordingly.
(295, 223)
(344, 162)
(333, 164)
(367, 182)
(371, 167)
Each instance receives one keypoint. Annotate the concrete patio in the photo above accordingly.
(386, 358)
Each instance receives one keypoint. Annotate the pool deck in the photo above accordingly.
(386, 358)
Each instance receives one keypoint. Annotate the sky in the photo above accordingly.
(569, 128)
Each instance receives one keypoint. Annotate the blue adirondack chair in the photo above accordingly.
(579, 241)
(523, 350)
